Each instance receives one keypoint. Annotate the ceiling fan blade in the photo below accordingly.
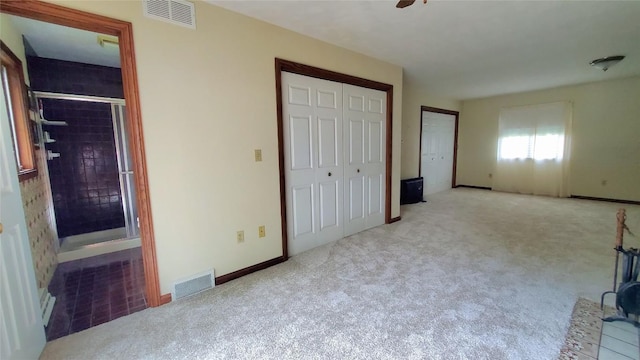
(404, 3)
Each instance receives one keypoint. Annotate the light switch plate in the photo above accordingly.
(258, 153)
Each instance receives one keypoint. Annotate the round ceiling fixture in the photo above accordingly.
(606, 62)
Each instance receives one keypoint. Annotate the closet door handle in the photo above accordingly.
(358, 170)
(329, 173)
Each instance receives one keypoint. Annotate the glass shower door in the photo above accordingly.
(125, 168)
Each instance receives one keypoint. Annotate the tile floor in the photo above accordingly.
(96, 290)
(619, 341)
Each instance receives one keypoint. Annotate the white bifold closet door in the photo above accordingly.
(312, 115)
(364, 158)
(438, 138)
(334, 159)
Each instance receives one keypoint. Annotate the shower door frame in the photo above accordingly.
(123, 30)
(125, 169)
(121, 140)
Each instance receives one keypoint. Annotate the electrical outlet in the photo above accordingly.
(240, 236)
(258, 153)
(261, 232)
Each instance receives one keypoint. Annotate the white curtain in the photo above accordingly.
(533, 150)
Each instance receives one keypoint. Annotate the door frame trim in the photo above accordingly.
(455, 139)
(60, 15)
(312, 71)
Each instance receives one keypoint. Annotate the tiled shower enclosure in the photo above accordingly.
(85, 178)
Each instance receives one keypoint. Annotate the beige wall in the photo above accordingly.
(605, 154)
(415, 96)
(35, 192)
(13, 39)
(208, 100)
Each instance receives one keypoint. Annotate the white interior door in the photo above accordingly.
(312, 115)
(438, 136)
(21, 330)
(364, 169)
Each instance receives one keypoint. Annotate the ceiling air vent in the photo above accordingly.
(177, 12)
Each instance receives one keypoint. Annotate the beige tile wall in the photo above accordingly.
(42, 234)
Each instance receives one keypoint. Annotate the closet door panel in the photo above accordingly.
(376, 143)
(356, 200)
(303, 210)
(370, 112)
(375, 196)
(312, 109)
(329, 174)
(355, 134)
(329, 148)
(301, 142)
(329, 205)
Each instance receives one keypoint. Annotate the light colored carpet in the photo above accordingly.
(471, 274)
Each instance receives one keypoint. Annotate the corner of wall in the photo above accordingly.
(603, 152)
(414, 97)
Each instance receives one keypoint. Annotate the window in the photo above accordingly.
(534, 132)
(547, 146)
(533, 149)
(15, 94)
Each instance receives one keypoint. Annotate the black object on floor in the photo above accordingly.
(411, 191)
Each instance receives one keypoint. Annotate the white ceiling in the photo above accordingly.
(472, 49)
(458, 49)
(65, 43)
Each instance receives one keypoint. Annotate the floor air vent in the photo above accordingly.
(194, 285)
(177, 12)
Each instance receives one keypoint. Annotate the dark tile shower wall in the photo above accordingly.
(74, 78)
(84, 179)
